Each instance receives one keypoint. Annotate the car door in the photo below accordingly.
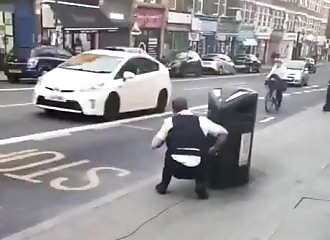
(130, 97)
(149, 73)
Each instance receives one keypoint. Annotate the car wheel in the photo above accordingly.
(13, 78)
(199, 72)
(306, 83)
(258, 69)
(161, 101)
(111, 107)
(221, 70)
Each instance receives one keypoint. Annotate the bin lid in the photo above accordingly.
(238, 93)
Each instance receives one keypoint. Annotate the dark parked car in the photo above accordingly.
(34, 62)
(247, 63)
(186, 63)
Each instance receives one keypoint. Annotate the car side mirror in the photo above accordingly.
(128, 75)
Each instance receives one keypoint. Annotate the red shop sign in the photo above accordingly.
(149, 17)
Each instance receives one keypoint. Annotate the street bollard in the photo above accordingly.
(326, 107)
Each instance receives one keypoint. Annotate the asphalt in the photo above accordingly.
(107, 156)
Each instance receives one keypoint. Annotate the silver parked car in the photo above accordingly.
(297, 73)
(218, 63)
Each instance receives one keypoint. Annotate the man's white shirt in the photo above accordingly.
(208, 127)
(279, 71)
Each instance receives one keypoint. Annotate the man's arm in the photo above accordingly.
(271, 72)
(160, 137)
(217, 131)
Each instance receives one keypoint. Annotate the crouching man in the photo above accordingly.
(187, 148)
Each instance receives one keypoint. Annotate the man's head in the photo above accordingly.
(179, 104)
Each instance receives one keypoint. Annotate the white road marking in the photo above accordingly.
(15, 105)
(268, 119)
(56, 157)
(15, 154)
(312, 86)
(30, 177)
(217, 77)
(308, 91)
(15, 89)
(137, 127)
(94, 180)
(67, 131)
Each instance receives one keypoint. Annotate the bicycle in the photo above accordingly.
(272, 104)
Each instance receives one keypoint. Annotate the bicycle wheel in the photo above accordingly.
(276, 102)
(269, 104)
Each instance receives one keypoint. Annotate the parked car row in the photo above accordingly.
(190, 63)
(39, 60)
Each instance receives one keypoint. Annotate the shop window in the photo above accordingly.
(172, 4)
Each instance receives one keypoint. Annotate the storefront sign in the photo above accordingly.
(290, 37)
(179, 18)
(208, 26)
(263, 33)
(196, 24)
(228, 25)
(149, 18)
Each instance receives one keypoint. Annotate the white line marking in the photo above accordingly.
(217, 78)
(267, 119)
(94, 180)
(261, 98)
(296, 93)
(15, 105)
(37, 136)
(15, 89)
(30, 177)
(308, 91)
(57, 157)
(2, 156)
(312, 86)
(51, 136)
(137, 127)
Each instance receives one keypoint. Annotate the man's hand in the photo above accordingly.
(213, 151)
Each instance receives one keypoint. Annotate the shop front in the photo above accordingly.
(151, 22)
(287, 45)
(263, 36)
(177, 33)
(79, 27)
(209, 36)
(246, 41)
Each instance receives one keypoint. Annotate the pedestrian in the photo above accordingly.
(187, 148)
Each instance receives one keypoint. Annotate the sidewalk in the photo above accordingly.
(288, 197)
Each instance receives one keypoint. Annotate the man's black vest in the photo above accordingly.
(185, 136)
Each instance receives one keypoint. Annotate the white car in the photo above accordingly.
(126, 49)
(105, 83)
(218, 63)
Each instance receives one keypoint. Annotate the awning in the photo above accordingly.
(250, 42)
(83, 18)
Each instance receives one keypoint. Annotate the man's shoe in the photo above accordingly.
(202, 193)
(161, 188)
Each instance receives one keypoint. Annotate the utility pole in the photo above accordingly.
(56, 27)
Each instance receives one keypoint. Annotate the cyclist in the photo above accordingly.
(275, 80)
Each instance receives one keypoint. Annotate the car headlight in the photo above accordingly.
(32, 62)
(91, 88)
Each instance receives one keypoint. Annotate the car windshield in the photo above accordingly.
(295, 65)
(211, 57)
(93, 63)
(182, 55)
(44, 52)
